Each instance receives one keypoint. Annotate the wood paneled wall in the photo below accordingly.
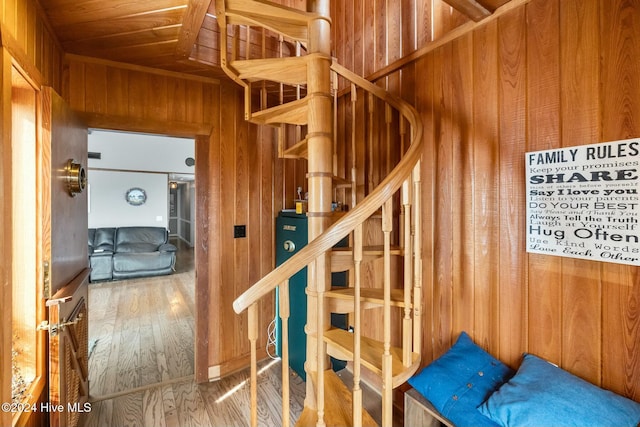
(26, 42)
(546, 74)
(237, 188)
(238, 182)
(116, 96)
(37, 49)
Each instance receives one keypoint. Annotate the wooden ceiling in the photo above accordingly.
(174, 35)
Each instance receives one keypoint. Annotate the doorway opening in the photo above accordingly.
(142, 329)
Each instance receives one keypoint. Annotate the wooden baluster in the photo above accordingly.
(247, 55)
(388, 118)
(370, 151)
(263, 54)
(403, 232)
(281, 55)
(354, 170)
(234, 42)
(417, 264)
(387, 373)
(334, 92)
(252, 315)
(407, 327)
(357, 391)
(284, 316)
(322, 353)
(282, 129)
(403, 134)
(235, 48)
(298, 96)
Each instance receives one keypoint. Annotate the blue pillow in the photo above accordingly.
(541, 394)
(460, 380)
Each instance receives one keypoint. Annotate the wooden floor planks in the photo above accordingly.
(141, 366)
(185, 403)
(143, 330)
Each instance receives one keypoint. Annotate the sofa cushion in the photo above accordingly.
(127, 248)
(104, 236)
(460, 380)
(168, 247)
(153, 235)
(102, 250)
(92, 235)
(101, 268)
(131, 262)
(542, 394)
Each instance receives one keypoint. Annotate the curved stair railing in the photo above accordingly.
(394, 365)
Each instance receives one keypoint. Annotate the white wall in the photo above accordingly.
(109, 208)
(134, 160)
(140, 152)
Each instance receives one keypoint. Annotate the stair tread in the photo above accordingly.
(370, 295)
(294, 112)
(289, 70)
(368, 250)
(340, 345)
(341, 182)
(284, 20)
(296, 151)
(342, 258)
(337, 406)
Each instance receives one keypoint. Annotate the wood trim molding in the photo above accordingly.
(149, 125)
(132, 67)
(19, 57)
(217, 372)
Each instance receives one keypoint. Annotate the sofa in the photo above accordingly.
(129, 252)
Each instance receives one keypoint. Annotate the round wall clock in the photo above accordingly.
(136, 196)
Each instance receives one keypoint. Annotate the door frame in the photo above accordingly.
(12, 65)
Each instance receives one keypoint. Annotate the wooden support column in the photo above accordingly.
(320, 167)
(285, 312)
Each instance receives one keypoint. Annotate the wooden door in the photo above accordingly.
(65, 245)
(68, 353)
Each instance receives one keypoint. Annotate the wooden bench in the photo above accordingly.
(418, 411)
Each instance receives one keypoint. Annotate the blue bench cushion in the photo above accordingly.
(460, 380)
(542, 394)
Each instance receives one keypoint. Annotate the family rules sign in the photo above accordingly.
(584, 202)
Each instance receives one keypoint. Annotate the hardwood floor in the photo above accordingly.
(141, 363)
(185, 403)
(141, 332)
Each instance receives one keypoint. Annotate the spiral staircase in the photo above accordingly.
(298, 87)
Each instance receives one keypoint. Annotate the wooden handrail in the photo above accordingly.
(332, 235)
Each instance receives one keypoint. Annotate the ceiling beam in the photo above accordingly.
(471, 8)
(191, 23)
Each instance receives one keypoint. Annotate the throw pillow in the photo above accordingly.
(542, 394)
(460, 380)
